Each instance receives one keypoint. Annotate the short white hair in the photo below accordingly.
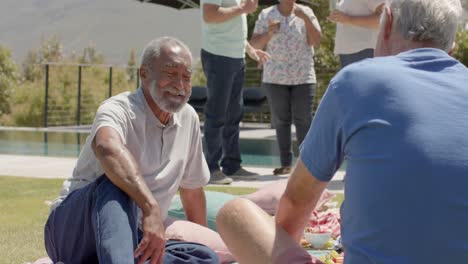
(154, 47)
(434, 21)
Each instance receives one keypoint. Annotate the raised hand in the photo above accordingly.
(248, 6)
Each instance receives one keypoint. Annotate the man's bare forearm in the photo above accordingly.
(194, 203)
(371, 21)
(122, 170)
(298, 201)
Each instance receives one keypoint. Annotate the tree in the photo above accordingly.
(461, 48)
(51, 50)
(131, 66)
(8, 78)
(91, 55)
(32, 70)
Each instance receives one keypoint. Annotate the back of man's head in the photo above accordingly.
(427, 21)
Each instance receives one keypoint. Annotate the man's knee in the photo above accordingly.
(226, 217)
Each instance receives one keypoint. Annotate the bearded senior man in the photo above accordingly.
(400, 121)
(143, 147)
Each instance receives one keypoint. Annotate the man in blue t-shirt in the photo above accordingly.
(401, 122)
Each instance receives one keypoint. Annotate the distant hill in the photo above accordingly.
(113, 26)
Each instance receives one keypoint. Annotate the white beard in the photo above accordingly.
(168, 104)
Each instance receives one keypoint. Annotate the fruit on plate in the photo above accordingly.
(332, 258)
(334, 254)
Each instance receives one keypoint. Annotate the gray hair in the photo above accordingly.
(154, 47)
(434, 21)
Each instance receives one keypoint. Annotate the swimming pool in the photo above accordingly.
(255, 152)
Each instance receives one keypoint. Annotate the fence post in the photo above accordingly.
(78, 112)
(46, 96)
(110, 81)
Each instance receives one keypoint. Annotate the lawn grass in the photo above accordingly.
(24, 212)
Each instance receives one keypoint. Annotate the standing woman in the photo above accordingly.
(288, 32)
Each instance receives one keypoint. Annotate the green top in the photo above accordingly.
(227, 38)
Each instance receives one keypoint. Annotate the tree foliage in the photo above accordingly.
(51, 50)
(131, 66)
(91, 55)
(461, 48)
(8, 78)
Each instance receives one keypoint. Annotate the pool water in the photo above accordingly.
(255, 152)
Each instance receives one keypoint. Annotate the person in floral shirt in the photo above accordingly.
(288, 32)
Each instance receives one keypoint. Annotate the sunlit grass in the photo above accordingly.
(24, 212)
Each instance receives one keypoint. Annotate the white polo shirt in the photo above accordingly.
(169, 156)
(352, 39)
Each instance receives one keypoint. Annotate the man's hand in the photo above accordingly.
(153, 243)
(338, 17)
(248, 6)
(299, 12)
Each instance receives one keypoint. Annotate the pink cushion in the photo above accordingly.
(268, 196)
(191, 232)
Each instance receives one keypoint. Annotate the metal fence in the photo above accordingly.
(73, 92)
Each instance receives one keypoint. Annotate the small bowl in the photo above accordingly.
(317, 240)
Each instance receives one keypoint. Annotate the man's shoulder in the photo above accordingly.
(121, 98)
(123, 101)
(375, 73)
(369, 67)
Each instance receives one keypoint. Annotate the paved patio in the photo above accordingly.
(52, 167)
